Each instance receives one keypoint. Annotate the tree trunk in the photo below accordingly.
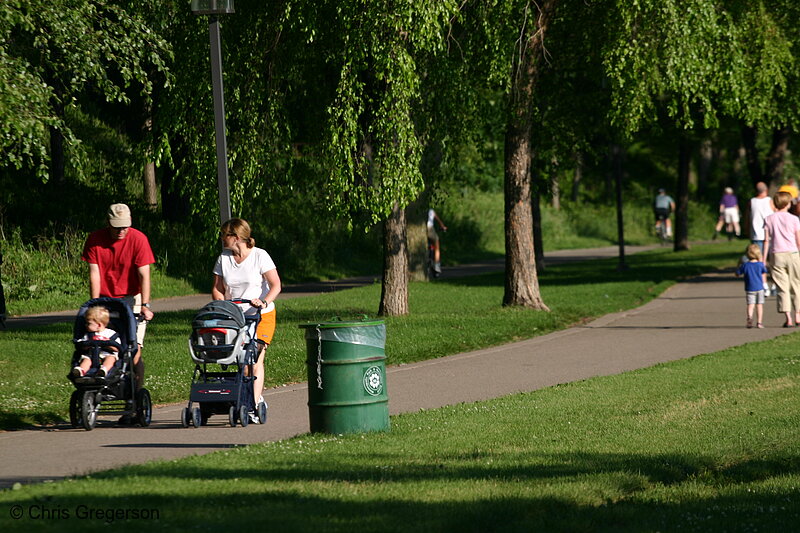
(56, 156)
(394, 290)
(749, 135)
(150, 187)
(536, 212)
(577, 176)
(555, 188)
(682, 197)
(618, 169)
(521, 281)
(705, 165)
(776, 159)
(175, 204)
(57, 177)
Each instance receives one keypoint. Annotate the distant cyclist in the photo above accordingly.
(663, 206)
(433, 239)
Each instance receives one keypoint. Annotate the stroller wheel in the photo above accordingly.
(88, 411)
(185, 417)
(197, 417)
(244, 419)
(262, 412)
(144, 407)
(232, 416)
(75, 409)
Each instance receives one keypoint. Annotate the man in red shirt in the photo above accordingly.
(119, 258)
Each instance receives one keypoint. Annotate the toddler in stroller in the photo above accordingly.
(97, 318)
(105, 330)
(223, 335)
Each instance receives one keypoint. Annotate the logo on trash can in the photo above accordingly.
(373, 382)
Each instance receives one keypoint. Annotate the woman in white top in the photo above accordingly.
(246, 272)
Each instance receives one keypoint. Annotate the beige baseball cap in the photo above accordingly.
(119, 216)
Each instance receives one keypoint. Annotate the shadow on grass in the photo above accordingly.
(643, 267)
(558, 496)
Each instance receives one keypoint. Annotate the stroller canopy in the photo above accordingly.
(220, 314)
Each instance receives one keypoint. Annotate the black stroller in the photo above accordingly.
(114, 394)
(223, 335)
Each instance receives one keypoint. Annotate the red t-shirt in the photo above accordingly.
(119, 260)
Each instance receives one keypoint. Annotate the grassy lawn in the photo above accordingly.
(446, 318)
(708, 444)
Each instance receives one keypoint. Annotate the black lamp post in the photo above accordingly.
(215, 8)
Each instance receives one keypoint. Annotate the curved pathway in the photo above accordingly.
(699, 316)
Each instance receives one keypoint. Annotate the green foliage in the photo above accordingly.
(54, 54)
(695, 59)
(763, 89)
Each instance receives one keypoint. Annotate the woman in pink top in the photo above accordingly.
(782, 239)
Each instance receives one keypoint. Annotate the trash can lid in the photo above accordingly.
(337, 322)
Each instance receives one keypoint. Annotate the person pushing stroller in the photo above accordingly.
(244, 271)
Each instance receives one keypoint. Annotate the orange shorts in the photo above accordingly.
(266, 327)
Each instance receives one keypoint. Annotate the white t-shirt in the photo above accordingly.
(106, 334)
(246, 279)
(760, 208)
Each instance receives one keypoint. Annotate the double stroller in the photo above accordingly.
(114, 394)
(223, 335)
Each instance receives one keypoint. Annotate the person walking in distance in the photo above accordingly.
(119, 258)
(433, 239)
(781, 246)
(761, 207)
(728, 214)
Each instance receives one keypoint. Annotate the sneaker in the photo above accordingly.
(253, 417)
(101, 373)
(77, 372)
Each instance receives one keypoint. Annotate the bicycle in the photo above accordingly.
(662, 231)
(433, 269)
(430, 263)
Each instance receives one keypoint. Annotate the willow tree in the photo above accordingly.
(693, 60)
(765, 92)
(372, 149)
(57, 56)
(521, 281)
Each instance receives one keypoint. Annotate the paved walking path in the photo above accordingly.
(698, 316)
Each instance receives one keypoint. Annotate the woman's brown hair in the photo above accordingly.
(240, 228)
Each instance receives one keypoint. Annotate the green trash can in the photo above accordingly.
(347, 376)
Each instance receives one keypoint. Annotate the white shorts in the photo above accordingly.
(731, 215)
(135, 303)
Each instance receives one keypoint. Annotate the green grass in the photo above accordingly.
(708, 444)
(446, 318)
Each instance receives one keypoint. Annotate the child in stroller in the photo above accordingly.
(112, 392)
(223, 335)
(97, 318)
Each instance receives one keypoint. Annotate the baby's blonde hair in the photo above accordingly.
(754, 252)
(99, 314)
